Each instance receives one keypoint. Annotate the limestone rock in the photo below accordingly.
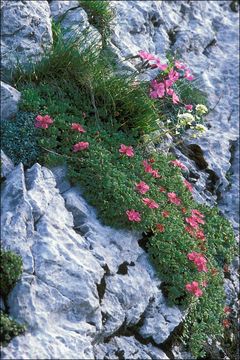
(25, 30)
(74, 22)
(160, 320)
(9, 101)
(6, 165)
(75, 291)
(127, 348)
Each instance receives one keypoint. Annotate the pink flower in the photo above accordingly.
(133, 215)
(192, 221)
(199, 220)
(145, 55)
(159, 65)
(165, 213)
(175, 98)
(155, 174)
(78, 128)
(80, 146)
(178, 163)
(198, 260)
(188, 185)
(150, 203)
(168, 83)
(147, 167)
(192, 256)
(169, 91)
(197, 213)
(43, 121)
(189, 230)
(204, 283)
(173, 75)
(227, 310)
(142, 187)
(172, 197)
(189, 107)
(160, 228)
(158, 89)
(179, 65)
(200, 235)
(188, 75)
(194, 288)
(126, 150)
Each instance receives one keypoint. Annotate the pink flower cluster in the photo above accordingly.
(188, 185)
(133, 215)
(194, 289)
(142, 187)
(178, 163)
(126, 150)
(195, 219)
(43, 121)
(148, 169)
(199, 260)
(172, 197)
(150, 203)
(159, 90)
(164, 87)
(82, 145)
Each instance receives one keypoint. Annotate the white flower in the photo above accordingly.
(200, 127)
(201, 109)
(186, 118)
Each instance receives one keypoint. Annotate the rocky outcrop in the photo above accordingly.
(25, 32)
(9, 101)
(83, 283)
(74, 22)
(89, 291)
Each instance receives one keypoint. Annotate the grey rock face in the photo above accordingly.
(206, 36)
(127, 348)
(6, 165)
(82, 281)
(74, 22)
(25, 30)
(160, 320)
(9, 101)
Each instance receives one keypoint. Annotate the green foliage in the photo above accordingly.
(89, 80)
(10, 271)
(100, 15)
(9, 328)
(19, 136)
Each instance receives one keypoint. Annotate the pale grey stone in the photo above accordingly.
(123, 347)
(160, 320)
(26, 32)
(10, 98)
(74, 23)
(6, 165)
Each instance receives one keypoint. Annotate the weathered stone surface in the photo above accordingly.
(74, 22)
(160, 320)
(6, 165)
(9, 101)
(75, 291)
(127, 348)
(25, 30)
(57, 295)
